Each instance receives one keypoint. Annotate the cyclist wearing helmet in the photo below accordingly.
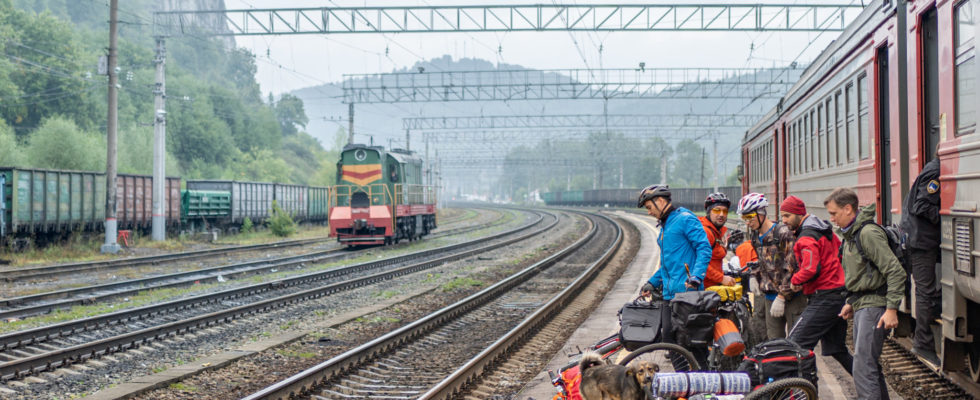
(773, 243)
(716, 209)
(684, 249)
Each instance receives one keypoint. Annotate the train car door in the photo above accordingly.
(884, 137)
(930, 87)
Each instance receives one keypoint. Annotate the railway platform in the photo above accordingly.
(833, 383)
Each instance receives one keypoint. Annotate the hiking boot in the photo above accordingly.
(929, 357)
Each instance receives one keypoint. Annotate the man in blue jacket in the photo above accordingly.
(684, 250)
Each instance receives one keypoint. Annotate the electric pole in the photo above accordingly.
(715, 159)
(350, 119)
(110, 245)
(159, 145)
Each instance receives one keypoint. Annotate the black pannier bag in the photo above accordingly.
(777, 359)
(693, 317)
(639, 324)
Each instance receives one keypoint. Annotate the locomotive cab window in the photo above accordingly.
(965, 72)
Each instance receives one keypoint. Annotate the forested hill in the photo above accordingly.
(219, 124)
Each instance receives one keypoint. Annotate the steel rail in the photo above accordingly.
(310, 378)
(176, 279)
(12, 275)
(456, 382)
(63, 357)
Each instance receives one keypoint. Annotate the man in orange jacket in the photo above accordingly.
(716, 209)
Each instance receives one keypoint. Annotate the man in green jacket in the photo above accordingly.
(875, 284)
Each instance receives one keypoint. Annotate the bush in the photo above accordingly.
(247, 225)
(280, 223)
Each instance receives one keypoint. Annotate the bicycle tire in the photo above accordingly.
(670, 348)
(788, 388)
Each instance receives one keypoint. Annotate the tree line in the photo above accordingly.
(219, 124)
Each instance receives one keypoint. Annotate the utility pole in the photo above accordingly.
(715, 162)
(702, 168)
(663, 168)
(350, 119)
(110, 245)
(159, 145)
(408, 139)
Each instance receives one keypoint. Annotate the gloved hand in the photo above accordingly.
(778, 307)
(693, 283)
(646, 289)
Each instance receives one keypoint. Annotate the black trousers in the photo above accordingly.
(820, 323)
(928, 298)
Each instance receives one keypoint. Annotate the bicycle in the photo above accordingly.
(739, 311)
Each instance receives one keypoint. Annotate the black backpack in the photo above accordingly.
(778, 359)
(896, 241)
(639, 324)
(693, 316)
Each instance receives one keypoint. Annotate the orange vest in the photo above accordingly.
(714, 274)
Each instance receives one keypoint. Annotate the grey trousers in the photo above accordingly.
(868, 339)
(777, 327)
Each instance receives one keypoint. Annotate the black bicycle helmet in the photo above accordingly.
(651, 192)
(717, 198)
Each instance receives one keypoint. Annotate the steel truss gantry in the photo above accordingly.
(504, 85)
(481, 137)
(513, 18)
(612, 121)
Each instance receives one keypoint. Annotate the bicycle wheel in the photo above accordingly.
(663, 357)
(785, 389)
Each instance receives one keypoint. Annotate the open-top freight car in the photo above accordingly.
(42, 204)
(379, 197)
(690, 198)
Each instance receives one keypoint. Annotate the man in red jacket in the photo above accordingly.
(821, 278)
(716, 214)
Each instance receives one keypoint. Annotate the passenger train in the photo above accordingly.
(895, 90)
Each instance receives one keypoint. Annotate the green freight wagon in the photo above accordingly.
(39, 202)
(203, 209)
(317, 203)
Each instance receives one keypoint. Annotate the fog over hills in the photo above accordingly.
(327, 112)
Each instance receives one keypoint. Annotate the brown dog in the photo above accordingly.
(601, 381)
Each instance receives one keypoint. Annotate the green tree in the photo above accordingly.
(687, 170)
(11, 154)
(290, 113)
(59, 144)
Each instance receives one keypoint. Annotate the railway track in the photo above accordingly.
(30, 305)
(23, 274)
(48, 348)
(917, 380)
(462, 340)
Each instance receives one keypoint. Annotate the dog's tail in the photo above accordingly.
(590, 359)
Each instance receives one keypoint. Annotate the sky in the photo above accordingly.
(287, 63)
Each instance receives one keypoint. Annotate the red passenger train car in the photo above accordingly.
(895, 90)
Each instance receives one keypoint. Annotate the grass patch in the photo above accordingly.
(459, 283)
(288, 325)
(387, 294)
(182, 387)
(296, 354)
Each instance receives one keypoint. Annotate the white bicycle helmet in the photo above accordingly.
(752, 202)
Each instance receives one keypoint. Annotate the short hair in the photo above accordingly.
(843, 197)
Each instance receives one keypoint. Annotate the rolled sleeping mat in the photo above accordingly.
(686, 384)
(727, 338)
(717, 397)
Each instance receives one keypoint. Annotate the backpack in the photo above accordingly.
(817, 234)
(639, 324)
(777, 359)
(692, 315)
(896, 242)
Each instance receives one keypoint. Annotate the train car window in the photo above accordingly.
(805, 132)
(813, 141)
(799, 148)
(862, 130)
(831, 139)
(839, 120)
(851, 128)
(822, 138)
(965, 72)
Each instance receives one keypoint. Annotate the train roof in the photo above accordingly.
(405, 156)
(853, 36)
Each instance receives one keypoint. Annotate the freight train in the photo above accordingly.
(690, 198)
(40, 205)
(379, 197)
(894, 91)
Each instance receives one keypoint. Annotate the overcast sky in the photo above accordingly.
(287, 63)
